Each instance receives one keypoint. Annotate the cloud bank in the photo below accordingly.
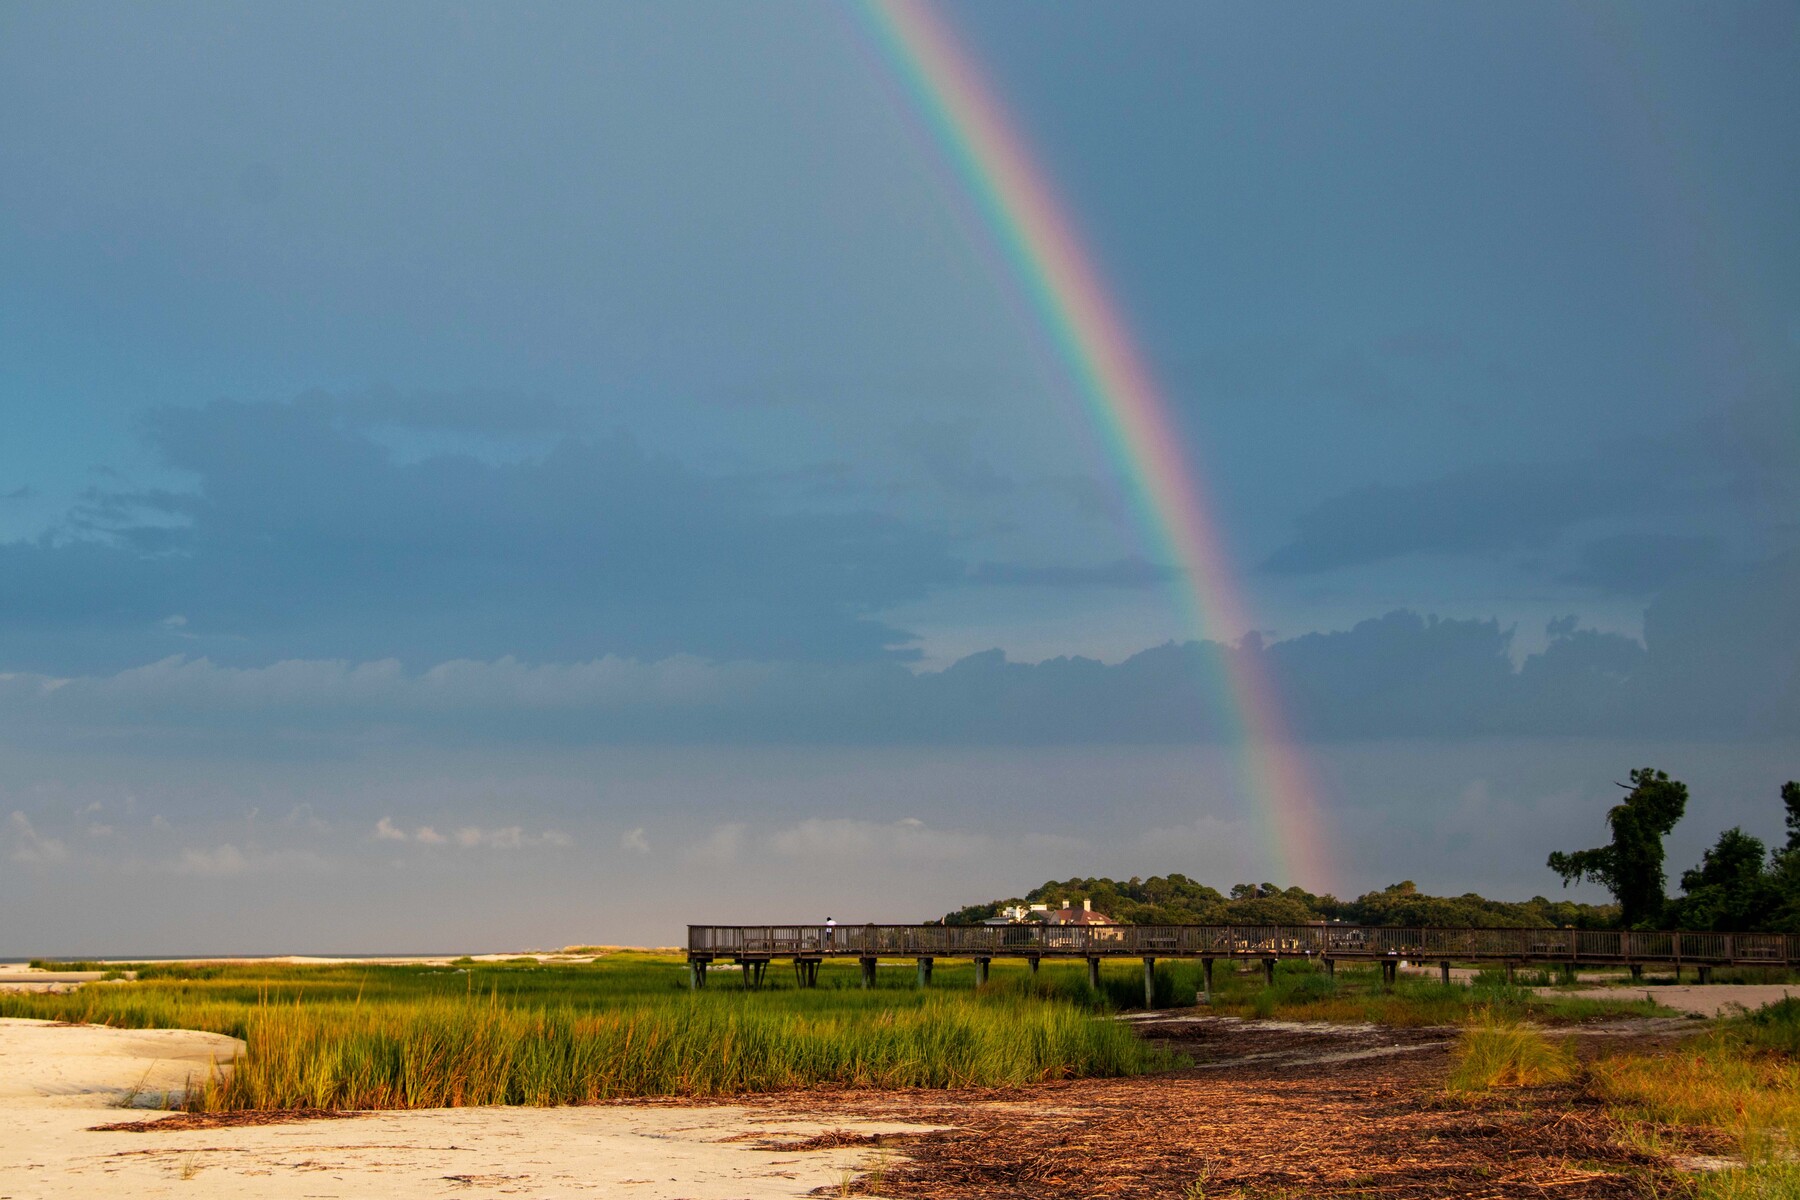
(1719, 657)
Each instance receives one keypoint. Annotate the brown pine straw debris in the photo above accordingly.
(177, 1122)
(831, 1139)
(1380, 1127)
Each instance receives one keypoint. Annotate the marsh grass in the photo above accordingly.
(380, 1037)
(1775, 1179)
(1742, 1079)
(1498, 1052)
(1304, 992)
(446, 1053)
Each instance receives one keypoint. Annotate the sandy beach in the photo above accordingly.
(58, 1082)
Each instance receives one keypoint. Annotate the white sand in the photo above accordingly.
(57, 1081)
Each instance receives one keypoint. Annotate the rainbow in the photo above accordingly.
(1064, 291)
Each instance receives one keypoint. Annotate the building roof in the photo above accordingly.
(1078, 916)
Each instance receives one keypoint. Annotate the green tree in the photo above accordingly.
(1790, 800)
(1631, 867)
(1730, 890)
(1784, 872)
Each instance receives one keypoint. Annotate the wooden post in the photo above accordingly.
(1269, 972)
(1444, 972)
(868, 971)
(1093, 972)
(1509, 973)
(1206, 965)
(924, 972)
(1568, 972)
(1033, 960)
(1149, 982)
(1331, 967)
(1637, 972)
(1390, 972)
(696, 973)
(981, 972)
(1705, 972)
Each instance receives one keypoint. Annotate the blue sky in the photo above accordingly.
(623, 405)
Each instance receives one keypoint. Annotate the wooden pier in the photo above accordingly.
(752, 947)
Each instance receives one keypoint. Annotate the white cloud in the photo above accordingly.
(227, 860)
(845, 840)
(30, 846)
(471, 837)
(302, 816)
(722, 845)
(217, 860)
(839, 837)
(635, 841)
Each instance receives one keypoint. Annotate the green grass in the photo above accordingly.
(1775, 1179)
(352, 1036)
(1304, 992)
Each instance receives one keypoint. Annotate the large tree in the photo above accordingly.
(1631, 867)
(1730, 889)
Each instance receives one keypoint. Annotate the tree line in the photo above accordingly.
(1738, 885)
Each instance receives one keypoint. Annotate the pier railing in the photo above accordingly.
(1319, 940)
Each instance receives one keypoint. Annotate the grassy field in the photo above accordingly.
(522, 1032)
(1741, 1080)
(1734, 1088)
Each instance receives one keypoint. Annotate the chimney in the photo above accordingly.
(1087, 906)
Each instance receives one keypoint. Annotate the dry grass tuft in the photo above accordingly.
(1499, 1053)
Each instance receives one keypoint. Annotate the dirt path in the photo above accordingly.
(1702, 1000)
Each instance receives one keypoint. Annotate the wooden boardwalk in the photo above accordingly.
(754, 946)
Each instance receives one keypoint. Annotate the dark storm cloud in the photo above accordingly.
(305, 538)
(1721, 659)
(946, 450)
(1474, 510)
(1638, 564)
(469, 410)
(1718, 469)
(1124, 573)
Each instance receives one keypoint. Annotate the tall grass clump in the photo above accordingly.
(447, 1053)
(1497, 1052)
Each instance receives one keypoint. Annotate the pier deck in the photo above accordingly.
(753, 946)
